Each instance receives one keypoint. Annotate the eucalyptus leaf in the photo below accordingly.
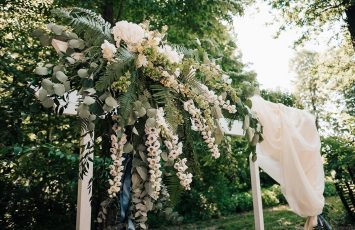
(148, 188)
(127, 148)
(61, 76)
(136, 181)
(255, 139)
(110, 101)
(143, 156)
(246, 122)
(143, 172)
(107, 108)
(72, 35)
(137, 105)
(151, 112)
(141, 112)
(131, 119)
(59, 89)
(147, 105)
(149, 204)
(40, 70)
(164, 156)
(83, 111)
(76, 44)
(250, 133)
(58, 68)
(48, 102)
(91, 91)
(83, 73)
(89, 100)
(91, 126)
(70, 60)
(92, 117)
(57, 29)
(47, 84)
(150, 123)
(42, 94)
(66, 85)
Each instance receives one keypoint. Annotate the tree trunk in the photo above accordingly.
(350, 20)
(107, 11)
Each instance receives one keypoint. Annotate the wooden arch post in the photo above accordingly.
(237, 130)
(83, 211)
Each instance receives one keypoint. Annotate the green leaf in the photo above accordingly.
(76, 44)
(61, 76)
(42, 94)
(127, 148)
(59, 89)
(48, 102)
(89, 100)
(40, 70)
(110, 101)
(115, 70)
(143, 172)
(83, 73)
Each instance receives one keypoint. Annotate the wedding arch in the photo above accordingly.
(152, 92)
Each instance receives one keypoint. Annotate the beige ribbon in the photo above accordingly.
(310, 223)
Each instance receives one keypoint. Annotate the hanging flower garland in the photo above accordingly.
(153, 89)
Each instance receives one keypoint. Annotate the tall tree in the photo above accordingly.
(316, 15)
(325, 83)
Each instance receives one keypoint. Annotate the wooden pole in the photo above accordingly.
(83, 212)
(256, 192)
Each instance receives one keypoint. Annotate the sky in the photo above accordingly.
(267, 56)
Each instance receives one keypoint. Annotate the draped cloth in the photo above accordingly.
(290, 154)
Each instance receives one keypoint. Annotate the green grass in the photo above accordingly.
(280, 217)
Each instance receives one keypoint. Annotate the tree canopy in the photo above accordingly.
(316, 16)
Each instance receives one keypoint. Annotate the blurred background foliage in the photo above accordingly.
(39, 149)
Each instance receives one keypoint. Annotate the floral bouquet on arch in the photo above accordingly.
(151, 91)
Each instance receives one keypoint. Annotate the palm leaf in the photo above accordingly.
(174, 188)
(165, 97)
(87, 23)
(115, 70)
(127, 99)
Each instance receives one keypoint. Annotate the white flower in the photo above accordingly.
(141, 61)
(226, 79)
(172, 55)
(108, 50)
(130, 33)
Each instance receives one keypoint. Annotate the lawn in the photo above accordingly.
(280, 217)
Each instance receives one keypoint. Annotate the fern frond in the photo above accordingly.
(115, 70)
(86, 23)
(174, 188)
(165, 97)
(127, 99)
(191, 81)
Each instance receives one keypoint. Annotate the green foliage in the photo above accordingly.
(323, 86)
(340, 162)
(87, 24)
(284, 98)
(314, 16)
(116, 70)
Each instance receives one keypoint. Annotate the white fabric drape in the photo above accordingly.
(290, 153)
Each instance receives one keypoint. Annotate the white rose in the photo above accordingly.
(130, 33)
(108, 50)
(171, 54)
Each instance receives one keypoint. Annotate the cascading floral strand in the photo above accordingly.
(116, 168)
(199, 124)
(153, 152)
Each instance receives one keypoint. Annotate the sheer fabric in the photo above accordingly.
(290, 154)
